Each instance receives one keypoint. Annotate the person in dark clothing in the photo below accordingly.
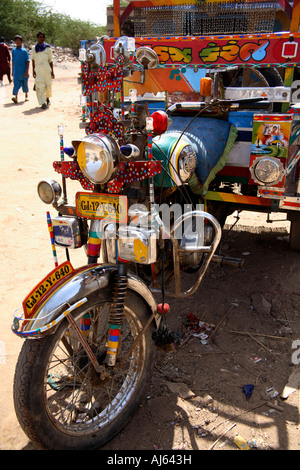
(4, 61)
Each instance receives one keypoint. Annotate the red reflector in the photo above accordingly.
(160, 122)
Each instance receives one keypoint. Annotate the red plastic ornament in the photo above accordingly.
(163, 309)
(160, 122)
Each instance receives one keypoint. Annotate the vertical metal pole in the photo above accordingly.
(60, 129)
(117, 30)
(294, 26)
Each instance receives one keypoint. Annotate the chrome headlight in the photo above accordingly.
(267, 170)
(49, 191)
(179, 153)
(187, 163)
(97, 156)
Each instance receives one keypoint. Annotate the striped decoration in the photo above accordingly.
(94, 244)
(50, 228)
(113, 339)
(85, 323)
(236, 198)
(19, 330)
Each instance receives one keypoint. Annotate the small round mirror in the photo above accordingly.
(96, 55)
(122, 48)
(147, 57)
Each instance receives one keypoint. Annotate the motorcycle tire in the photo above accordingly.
(60, 400)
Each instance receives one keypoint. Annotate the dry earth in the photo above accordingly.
(195, 400)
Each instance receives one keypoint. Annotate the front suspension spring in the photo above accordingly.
(116, 314)
(118, 296)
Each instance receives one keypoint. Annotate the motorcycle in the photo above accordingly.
(90, 333)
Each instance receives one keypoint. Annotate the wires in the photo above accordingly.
(169, 158)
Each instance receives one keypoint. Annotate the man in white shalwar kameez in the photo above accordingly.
(42, 68)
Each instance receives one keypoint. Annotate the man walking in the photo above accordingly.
(42, 70)
(20, 68)
(4, 61)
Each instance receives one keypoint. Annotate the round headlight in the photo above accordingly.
(49, 191)
(97, 156)
(268, 170)
(187, 163)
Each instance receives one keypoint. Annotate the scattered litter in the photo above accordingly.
(201, 432)
(206, 326)
(253, 444)
(272, 393)
(241, 442)
(246, 253)
(256, 359)
(247, 390)
(194, 327)
(202, 336)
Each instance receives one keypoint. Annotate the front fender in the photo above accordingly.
(84, 287)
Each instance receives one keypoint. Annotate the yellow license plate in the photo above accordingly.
(102, 206)
(33, 299)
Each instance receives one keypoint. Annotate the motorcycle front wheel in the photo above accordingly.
(60, 400)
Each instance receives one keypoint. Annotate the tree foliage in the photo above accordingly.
(27, 17)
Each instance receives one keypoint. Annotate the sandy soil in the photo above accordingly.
(195, 399)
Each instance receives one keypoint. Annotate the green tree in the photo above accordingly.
(27, 17)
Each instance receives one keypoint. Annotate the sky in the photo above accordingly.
(89, 10)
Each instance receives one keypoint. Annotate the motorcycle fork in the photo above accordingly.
(114, 323)
(99, 368)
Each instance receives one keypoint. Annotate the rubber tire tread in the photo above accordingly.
(32, 415)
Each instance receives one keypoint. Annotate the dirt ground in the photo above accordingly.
(196, 398)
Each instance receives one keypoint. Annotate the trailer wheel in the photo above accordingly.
(260, 77)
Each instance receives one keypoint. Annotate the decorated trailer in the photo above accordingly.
(225, 73)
